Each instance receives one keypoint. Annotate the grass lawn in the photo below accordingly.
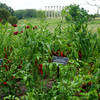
(53, 22)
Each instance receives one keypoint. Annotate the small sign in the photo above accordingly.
(60, 60)
(1, 61)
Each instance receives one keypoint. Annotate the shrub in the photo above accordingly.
(12, 20)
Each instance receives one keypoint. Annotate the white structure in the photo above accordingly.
(53, 11)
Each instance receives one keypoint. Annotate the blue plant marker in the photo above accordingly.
(60, 60)
(1, 61)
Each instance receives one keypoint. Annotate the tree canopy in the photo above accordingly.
(28, 13)
(4, 14)
(75, 13)
(3, 5)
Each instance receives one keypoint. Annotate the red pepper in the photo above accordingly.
(0, 19)
(19, 67)
(6, 56)
(13, 77)
(61, 54)
(5, 83)
(40, 69)
(41, 72)
(6, 67)
(89, 83)
(21, 62)
(80, 54)
(5, 49)
(49, 59)
(36, 62)
(40, 66)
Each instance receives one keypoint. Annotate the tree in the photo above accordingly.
(4, 14)
(19, 14)
(41, 14)
(78, 17)
(75, 13)
(30, 13)
(27, 13)
(6, 7)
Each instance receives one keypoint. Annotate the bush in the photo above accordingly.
(12, 20)
(4, 14)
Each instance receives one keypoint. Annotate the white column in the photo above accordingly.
(60, 10)
(54, 10)
(46, 11)
(57, 11)
(51, 11)
(98, 10)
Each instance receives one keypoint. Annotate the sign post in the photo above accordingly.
(60, 60)
(1, 61)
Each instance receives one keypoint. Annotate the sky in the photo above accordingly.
(40, 4)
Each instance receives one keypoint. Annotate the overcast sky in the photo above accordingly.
(40, 4)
